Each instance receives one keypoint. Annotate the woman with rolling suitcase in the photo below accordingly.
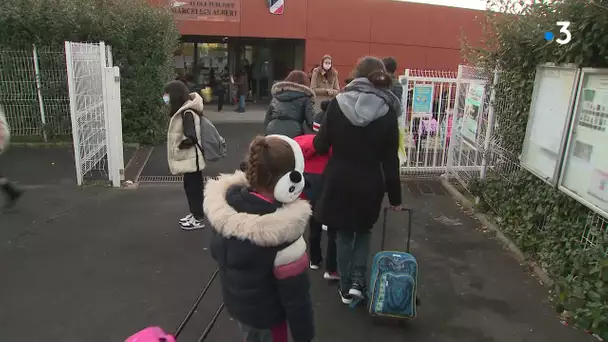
(361, 129)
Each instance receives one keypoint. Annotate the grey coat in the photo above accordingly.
(291, 110)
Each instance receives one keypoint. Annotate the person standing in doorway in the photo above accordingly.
(184, 153)
(360, 127)
(324, 81)
(222, 87)
(249, 71)
(242, 84)
(10, 191)
(390, 63)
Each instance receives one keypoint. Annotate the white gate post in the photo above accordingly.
(489, 131)
(73, 110)
(455, 137)
(39, 92)
(106, 107)
(114, 125)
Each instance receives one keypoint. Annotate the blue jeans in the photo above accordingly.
(353, 254)
(242, 102)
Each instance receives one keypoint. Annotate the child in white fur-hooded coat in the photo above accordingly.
(258, 245)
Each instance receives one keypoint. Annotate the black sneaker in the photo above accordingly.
(345, 296)
(356, 291)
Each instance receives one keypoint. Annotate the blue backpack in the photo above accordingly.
(393, 280)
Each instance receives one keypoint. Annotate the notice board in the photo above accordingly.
(548, 121)
(585, 169)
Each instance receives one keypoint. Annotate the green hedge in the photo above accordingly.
(544, 222)
(143, 39)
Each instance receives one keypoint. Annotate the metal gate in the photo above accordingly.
(474, 122)
(445, 122)
(428, 99)
(94, 91)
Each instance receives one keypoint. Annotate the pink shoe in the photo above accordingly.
(151, 334)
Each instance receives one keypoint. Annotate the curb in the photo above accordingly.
(500, 236)
(61, 144)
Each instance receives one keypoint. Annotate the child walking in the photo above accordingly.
(258, 222)
(11, 193)
(315, 164)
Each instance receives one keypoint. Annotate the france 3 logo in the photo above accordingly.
(565, 35)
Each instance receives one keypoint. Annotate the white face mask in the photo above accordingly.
(166, 98)
(327, 65)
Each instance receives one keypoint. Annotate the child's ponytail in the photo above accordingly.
(267, 161)
(256, 161)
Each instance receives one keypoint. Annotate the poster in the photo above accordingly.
(422, 98)
(472, 109)
(598, 186)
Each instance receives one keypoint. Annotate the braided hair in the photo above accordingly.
(268, 159)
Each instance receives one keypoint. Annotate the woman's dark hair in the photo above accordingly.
(299, 77)
(373, 69)
(178, 95)
(390, 63)
(268, 159)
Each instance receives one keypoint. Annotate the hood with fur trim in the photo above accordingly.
(286, 224)
(195, 103)
(285, 91)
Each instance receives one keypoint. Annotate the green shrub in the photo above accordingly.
(544, 222)
(143, 39)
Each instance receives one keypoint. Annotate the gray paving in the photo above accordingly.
(98, 264)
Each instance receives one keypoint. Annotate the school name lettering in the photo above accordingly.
(208, 8)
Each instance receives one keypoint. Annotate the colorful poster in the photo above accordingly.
(598, 186)
(422, 98)
(472, 108)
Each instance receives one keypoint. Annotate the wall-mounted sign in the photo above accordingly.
(207, 10)
(276, 7)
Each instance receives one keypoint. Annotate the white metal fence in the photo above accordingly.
(94, 93)
(473, 157)
(33, 91)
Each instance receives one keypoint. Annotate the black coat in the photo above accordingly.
(363, 166)
(291, 110)
(261, 256)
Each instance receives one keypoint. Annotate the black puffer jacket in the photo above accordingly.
(261, 255)
(291, 110)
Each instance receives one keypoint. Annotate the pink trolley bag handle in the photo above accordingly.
(156, 334)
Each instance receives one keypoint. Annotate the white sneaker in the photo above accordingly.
(324, 227)
(186, 219)
(313, 266)
(193, 224)
(331, 276)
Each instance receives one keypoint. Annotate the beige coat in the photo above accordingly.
(184, 161)
(320, 83)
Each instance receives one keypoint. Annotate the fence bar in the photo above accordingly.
(39, 92)
(489, 131)
(73, 110)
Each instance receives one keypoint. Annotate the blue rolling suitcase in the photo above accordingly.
(394, 279)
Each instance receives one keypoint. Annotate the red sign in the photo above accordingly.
(207, 10)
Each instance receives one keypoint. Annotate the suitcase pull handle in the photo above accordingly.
(409, 228)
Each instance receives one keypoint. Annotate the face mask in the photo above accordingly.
(326, 65)
(166, 98)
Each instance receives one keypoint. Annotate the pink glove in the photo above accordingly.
(151, 334)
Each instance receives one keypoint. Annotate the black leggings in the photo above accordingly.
(193, 185)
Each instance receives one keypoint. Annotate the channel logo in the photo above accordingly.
(565, 34)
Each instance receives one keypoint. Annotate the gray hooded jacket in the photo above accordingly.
(362, 102)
